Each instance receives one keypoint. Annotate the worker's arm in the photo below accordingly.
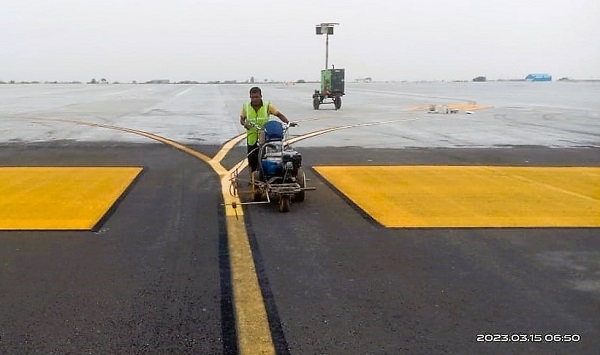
(282, 117)
(275, 112)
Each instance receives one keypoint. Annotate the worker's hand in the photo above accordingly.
(293, 124)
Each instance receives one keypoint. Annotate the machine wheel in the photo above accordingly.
(301, 179)
(284, 203)
(316, 102)
(254, 189)
(337, 102)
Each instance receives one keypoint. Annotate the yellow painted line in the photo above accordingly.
(252, 325)
(461, 107)
(333, 129)
(467, 107)
(472, 196)
(60, 198)
(227, 147)
(244, 162)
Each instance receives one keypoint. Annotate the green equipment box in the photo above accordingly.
(332, 80)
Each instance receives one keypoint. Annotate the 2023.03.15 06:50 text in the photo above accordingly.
(528, 337)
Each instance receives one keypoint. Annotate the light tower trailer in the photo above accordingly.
(332, 89)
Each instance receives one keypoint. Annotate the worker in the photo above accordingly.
(254, 115)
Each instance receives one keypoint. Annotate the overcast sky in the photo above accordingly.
(125, 40)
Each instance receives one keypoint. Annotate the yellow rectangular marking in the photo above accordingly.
(472, 196)
(60, 198)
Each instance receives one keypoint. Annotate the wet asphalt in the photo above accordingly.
(154, 278)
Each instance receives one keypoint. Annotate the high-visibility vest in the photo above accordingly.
(259, 117)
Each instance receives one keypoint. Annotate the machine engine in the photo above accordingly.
(278, 162)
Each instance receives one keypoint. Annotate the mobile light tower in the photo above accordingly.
(332, 80)
(326, 28)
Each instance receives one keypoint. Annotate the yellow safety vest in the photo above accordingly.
(259, 117)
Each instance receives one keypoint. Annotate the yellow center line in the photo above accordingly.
(228, 146)
(252, 326)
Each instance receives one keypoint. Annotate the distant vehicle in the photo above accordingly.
(538, 77)
(332, 87)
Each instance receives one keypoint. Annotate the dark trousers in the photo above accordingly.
(253, 157)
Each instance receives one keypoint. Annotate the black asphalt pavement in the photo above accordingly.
(155, 277)
(147, 281)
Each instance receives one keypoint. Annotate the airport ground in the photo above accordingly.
(155, 275)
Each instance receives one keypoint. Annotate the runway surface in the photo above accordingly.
(164, 272)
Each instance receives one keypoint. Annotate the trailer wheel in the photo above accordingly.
(301, 179)
(284, 203)
(338, 102)
(316, 102)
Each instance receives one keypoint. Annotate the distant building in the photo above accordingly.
(158, 81)
(363, 80)
(538, 77)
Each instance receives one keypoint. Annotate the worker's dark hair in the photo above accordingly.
(255, 90)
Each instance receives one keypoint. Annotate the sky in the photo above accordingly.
(208, 40)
